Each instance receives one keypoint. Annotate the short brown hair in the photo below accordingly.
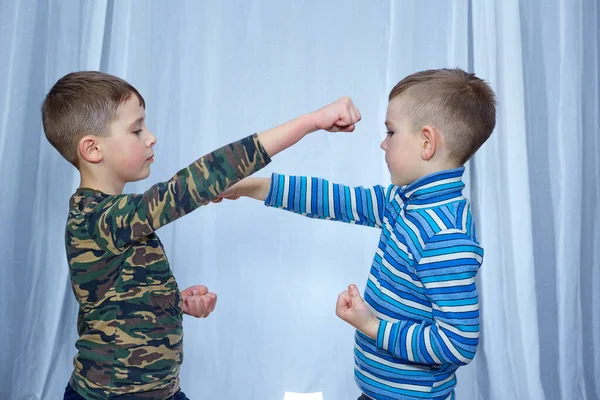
(82, 103)
(459, 104)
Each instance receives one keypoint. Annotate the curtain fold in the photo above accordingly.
(212, 72)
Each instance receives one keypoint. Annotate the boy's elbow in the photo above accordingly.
(457, 347)
(466, 355)
(466, 360)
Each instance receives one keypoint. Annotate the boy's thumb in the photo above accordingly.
(353, 291)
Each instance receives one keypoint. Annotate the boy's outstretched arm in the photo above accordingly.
(127, 218)
(316, 198)
(447, 272)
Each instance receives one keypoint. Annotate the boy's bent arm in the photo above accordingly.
(132, 217)
(286, 135)
(447, 270)
(339, 116)
(318, 198)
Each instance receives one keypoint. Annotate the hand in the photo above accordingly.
(198, 301)
(352, 308)
(234, 192)
(257, 188)
(339, 116)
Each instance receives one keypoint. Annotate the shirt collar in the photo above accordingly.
(443, 186)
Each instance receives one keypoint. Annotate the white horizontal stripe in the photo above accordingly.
(451, 347)
(433, 205)
(434, 184)
(453, 329)
(449, 231)
(414, 388)
(440, 383)
(404, 367)
(452, 256)
(383, 316)
(464, 308)
(399, 299)
(400, 274)
(443, 284)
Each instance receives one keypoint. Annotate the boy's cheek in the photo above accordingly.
(132, 160)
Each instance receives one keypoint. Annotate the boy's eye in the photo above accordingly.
(137, 132)
(390, 133)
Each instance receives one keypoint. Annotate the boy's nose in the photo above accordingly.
(151, 140)
(383, 144)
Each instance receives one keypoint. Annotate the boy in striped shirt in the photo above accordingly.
(419, 319)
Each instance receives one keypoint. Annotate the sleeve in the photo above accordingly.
(318, 198)
(123, 219)
(447, 268)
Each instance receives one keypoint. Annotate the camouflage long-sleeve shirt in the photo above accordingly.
(130, 308)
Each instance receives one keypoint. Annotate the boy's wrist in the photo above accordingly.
(309, 123)
(371, 328)
(257, 188)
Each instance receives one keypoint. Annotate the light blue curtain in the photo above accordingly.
(214, 71)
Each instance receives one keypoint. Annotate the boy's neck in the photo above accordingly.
(434, 168)
(96, 181)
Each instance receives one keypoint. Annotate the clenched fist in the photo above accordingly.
(353, 309)
(198, 301)
(339, 116)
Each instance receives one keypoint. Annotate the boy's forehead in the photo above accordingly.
(395, 109)
(130, 109)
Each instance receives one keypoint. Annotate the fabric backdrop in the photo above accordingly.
(214, 71)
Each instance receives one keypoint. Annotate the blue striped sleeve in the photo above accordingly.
(447, 270)
(318, 198)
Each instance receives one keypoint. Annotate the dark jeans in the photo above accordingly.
(70, 394)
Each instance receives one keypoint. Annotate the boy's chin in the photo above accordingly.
(140, 177)
(398, 181)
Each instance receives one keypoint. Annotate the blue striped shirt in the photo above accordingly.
(422, 280)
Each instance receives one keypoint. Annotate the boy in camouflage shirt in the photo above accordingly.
(130, 308)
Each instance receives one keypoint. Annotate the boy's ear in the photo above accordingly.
(89, 149)
(431, 141)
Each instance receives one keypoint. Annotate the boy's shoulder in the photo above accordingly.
(86, 229)
(439, 222)
(90, 203)
(85, 200)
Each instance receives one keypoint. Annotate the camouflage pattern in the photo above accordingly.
(130, 308)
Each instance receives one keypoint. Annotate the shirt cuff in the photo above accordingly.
(385, 339)
(272, 198)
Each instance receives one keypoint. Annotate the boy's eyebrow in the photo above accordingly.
(388, 123)
(137, 122)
